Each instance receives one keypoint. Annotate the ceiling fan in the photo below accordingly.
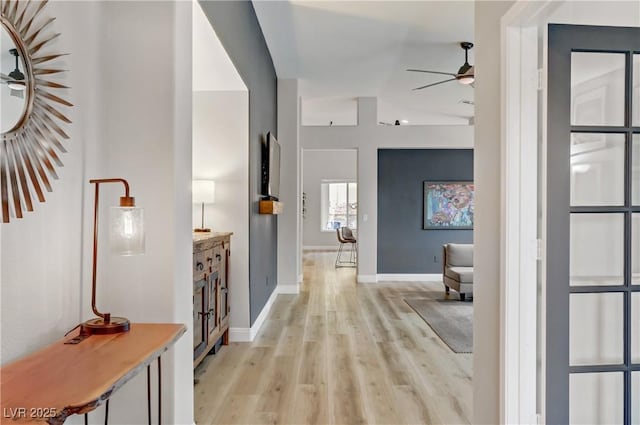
(465, 74)
(15, 80)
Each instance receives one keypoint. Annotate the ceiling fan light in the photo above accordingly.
(467, 77)
(14, 85)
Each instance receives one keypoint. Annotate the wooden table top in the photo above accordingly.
(201, 236)
(63, 379)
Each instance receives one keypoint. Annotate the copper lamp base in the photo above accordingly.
(201, 230)
(98, 326)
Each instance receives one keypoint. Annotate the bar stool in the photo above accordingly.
(345, 236)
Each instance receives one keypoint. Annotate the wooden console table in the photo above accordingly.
(66, 379)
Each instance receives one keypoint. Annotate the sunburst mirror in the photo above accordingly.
(31, 121)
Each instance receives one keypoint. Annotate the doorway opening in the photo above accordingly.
(330, 202)
(220, 161)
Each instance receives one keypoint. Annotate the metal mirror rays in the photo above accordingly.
(32, 139)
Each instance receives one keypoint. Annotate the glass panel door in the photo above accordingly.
(593, 225)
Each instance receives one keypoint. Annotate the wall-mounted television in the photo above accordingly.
(271, 167)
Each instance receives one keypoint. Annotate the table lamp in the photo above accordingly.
(204, 192)
(126, 231)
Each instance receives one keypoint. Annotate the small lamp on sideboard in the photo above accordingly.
(204, 192)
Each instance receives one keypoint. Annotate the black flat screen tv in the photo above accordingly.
(271, 167)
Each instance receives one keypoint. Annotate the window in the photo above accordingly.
(339, 205)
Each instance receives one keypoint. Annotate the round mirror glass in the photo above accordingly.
(13, 84)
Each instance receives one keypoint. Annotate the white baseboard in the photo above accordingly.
(407, 277)
(367, 278)
(249, 334)
(239, 334)
(290, 288)
(263, 314)
(320, 248)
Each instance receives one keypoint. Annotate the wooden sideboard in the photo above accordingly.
(211, 252)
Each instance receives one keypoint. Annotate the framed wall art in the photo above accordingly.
(448, 205)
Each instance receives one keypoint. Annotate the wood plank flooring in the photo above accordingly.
(338, 353)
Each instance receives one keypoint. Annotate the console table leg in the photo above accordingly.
(86, 419)
(159, 390)
(106, 413)
(149, 393)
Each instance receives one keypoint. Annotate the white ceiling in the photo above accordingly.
(344, 49)
(212, 67)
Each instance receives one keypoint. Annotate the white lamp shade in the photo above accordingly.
(126, 231)
(204, 191)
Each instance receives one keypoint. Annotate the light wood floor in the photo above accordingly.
(338, 353)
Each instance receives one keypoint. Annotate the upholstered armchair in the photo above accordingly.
(457, 268)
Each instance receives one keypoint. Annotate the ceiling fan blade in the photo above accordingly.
(432, 72)
(434, 84)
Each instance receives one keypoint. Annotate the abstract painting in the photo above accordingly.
(448, 205)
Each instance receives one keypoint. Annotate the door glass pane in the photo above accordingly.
(596, 398)
(635, 398)
(635, 328)
(635, 174)
(596, 329)
(597, 169)
(597, 88)
(597, 249)
(636, 90)
(635, 249)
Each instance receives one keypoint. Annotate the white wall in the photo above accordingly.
(139, 128)
(329, 111)
(42, 256)
(367, 137)
(487, 165)
(318, 166)
(289, 250)
(599, 12)
(221, 153)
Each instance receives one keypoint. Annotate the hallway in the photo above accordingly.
(338, 353)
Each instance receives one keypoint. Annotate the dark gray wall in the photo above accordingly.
(238, 29)
(403, 246)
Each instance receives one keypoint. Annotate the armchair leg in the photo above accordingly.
(446, 289)
(462, 296)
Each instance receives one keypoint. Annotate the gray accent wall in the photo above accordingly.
(403, 246)
(237, 27)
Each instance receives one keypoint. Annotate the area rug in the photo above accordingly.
(451, 320)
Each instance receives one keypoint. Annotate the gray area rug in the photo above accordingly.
(451, 319)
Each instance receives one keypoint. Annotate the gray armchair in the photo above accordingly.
(457, 268)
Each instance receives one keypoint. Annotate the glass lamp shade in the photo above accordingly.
(17, 86)
(468, 77)
(126, 230)
(204, 191)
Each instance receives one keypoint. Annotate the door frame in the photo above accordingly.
(522, 367)
(521, 83)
